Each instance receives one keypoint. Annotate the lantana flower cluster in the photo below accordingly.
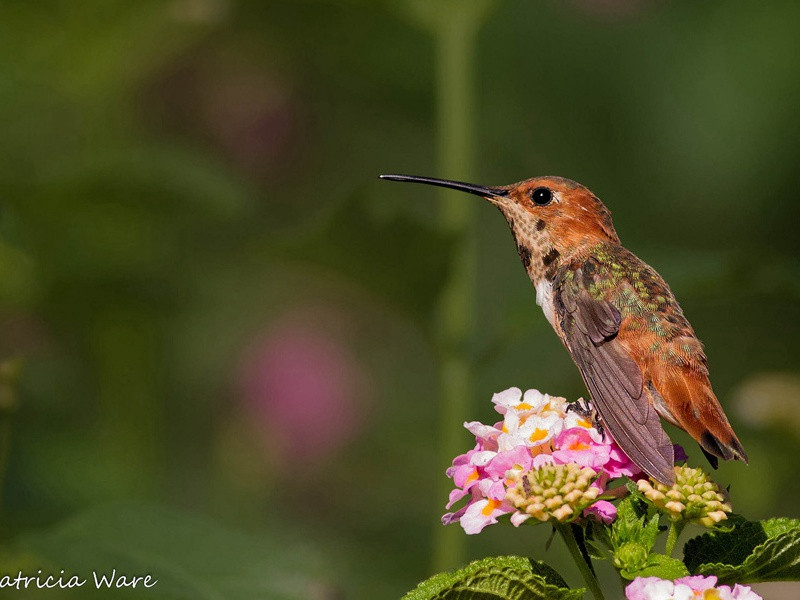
(553, 492)
(686, 588)
(693, 497)
(497, 476)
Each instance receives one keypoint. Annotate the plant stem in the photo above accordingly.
(456, 124)
(583, 566)
(674, 531)
(454, 25)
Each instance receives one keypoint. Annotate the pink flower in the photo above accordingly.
(502, 462)
(482, 513)
(650, 588)
(698, 583)
(303, 387)
(742, 592)
(510, 398)
(536, 429)
(620, 465)
(577, 446)
(603, 511)
(486, 435)
(686, 588)
(480, 474)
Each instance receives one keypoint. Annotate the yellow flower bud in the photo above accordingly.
(693, 497)
(553, 492)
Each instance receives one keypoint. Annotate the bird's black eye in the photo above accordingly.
(541, 196)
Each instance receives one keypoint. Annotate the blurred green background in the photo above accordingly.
(222, 334)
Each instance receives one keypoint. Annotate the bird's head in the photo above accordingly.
(550, 217)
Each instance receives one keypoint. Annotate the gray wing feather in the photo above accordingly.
(613, 378)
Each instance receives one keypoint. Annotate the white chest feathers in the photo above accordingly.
(544, 298)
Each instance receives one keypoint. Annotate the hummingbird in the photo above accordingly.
(638, 355)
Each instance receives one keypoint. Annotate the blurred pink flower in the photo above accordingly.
(304, 387)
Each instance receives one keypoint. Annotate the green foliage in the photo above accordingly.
(743, 552)
(632, 525)
(497, 578)
(633, 535)
(657, 565)
(191, 557)
(748, 552)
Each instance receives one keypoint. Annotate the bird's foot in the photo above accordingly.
(585, 410)
(581, 407)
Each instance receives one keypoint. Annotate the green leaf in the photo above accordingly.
(500, 578)
(633, 491)
(650, 532)
(546, 572)
(598, 532)
(748, 553)
(190, 556)
(658, 565)
(631, 525)
(596, 552)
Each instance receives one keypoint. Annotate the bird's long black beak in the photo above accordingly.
(478, 190)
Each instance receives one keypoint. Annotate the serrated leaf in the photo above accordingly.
(626, 525)
(632, 539)
(775, 527)
(546, 572)
(500, 578)
(749, 553)
(658, 565)
(629, 526)
(731, 547)
(633, 490)
(650, 532)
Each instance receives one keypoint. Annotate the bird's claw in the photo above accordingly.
(585, 410)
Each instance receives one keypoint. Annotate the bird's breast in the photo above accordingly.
(544, 298)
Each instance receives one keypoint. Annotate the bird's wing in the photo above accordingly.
(590, 327)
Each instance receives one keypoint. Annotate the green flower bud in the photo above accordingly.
(693, 497)
(631, 556)
(553, 492)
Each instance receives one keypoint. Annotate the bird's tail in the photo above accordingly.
(696, 409)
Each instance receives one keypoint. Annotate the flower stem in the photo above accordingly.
(455, 32)
(454, 25)
(675, 529)
(583, 566)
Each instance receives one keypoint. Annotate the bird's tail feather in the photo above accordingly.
(692, 402)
